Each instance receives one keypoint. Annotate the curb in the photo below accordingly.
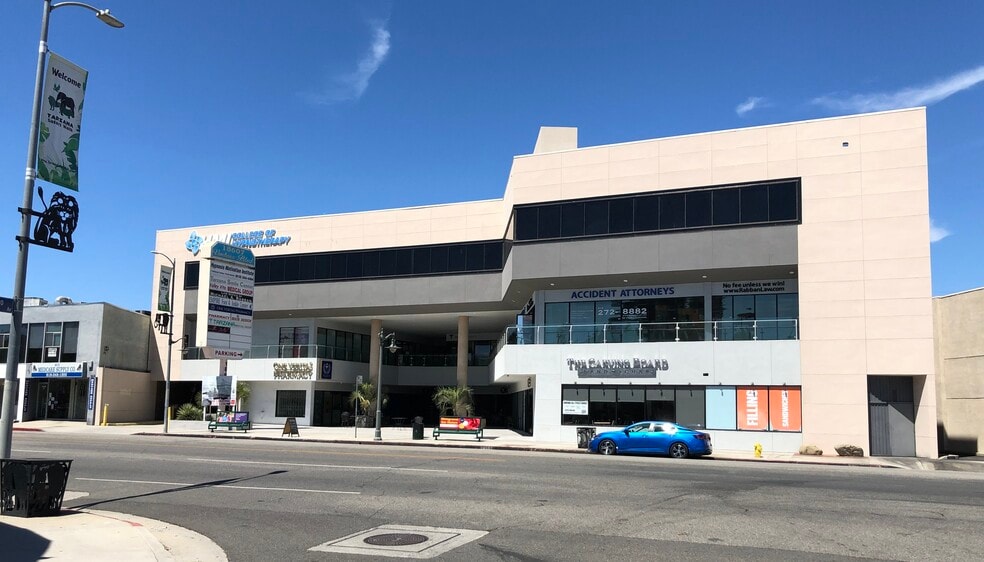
(465, 445)
(457, 445)
(27, 429)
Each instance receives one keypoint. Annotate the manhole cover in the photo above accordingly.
(395, 539)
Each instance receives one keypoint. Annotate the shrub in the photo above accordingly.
(188, 412)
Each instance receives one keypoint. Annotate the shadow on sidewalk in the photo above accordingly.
(21, 544)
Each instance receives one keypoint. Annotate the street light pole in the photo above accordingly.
(20, 271)
(379, 381)
(170, 340)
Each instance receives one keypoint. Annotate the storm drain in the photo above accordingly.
(395, 539)
(402, 541)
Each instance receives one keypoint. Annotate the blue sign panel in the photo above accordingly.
(6, 305)
(228, 252)
(326, 369)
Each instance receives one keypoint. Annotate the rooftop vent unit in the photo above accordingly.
(64, 300)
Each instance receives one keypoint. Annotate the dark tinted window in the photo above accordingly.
(370, 264)
(646, 213)
(755, 203)
(308, 268)
(782, 202)
(476, 257)
(572, 219)
(387, 262)
(353, 266)
(439, 259)
(322, 266)
(698, 209)
(456, 258)
(526, 219)
(493, 255)
(338, 266)
(292, 268)
(672, 211)
(404, 261)
(421, 260)
(725, 206)
(596, 217)
(548, 225)
(277, 270)
(620, 215)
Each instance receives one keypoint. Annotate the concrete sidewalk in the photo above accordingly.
(493, 439)
(99, 535)
(78, 535)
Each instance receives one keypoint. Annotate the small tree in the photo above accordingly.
(363, 399)
(243, 391)
(456, 400)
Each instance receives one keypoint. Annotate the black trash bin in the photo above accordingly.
(32, 487)
(584, 436)
(418, 427)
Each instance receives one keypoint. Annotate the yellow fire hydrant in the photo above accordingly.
(758, 450)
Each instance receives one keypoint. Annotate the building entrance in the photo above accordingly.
(891, 416)
(56, 399)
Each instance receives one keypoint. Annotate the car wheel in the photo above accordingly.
(607, 447)
(679, 451)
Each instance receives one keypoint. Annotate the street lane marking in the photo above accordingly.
(30, 451)
(341, 466)
(153, 482)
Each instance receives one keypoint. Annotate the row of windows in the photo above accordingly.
(705, 208)
(44, 342)
(748, 408)
(400, 262)
(766, 203)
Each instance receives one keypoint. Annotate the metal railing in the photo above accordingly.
(715, 330)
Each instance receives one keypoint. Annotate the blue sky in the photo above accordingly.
(211, 112)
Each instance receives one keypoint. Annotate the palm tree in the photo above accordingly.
(363, 399)
(456, 400)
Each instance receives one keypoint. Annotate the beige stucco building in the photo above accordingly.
(770, 285)
(960, 371)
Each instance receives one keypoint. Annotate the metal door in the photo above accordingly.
(891, 416)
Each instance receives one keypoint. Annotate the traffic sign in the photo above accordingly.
(6, 305)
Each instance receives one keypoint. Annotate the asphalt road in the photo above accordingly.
(265, 500)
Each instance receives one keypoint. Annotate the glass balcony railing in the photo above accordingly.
(716, 330)
(287, 352)
(341, 354)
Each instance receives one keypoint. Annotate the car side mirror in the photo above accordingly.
(626, 431)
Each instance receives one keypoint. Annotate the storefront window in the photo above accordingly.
(291, 403)
(621, 405)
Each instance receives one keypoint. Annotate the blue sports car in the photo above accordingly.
(665, 438)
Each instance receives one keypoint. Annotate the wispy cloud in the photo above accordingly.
(936, 232)
(906, 97)
(749, 104)
(351, 86)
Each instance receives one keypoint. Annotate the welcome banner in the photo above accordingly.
(61, 122)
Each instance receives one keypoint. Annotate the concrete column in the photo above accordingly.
(374, 329)
(462, 351)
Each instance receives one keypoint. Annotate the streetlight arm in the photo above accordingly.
(103, 15)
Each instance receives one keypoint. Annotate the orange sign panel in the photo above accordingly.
(785, 409)
(461, 423)
(753, 408)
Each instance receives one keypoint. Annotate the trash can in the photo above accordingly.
(418, 427)
(32, 487)
(584, 436)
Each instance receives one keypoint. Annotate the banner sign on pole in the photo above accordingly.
(61, 122)
(164, 289)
